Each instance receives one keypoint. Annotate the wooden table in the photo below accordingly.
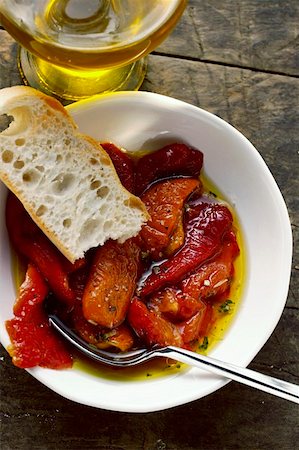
(239, 60)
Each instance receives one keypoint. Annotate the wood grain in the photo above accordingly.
(9, 74)
(258, 34)
(239, 60)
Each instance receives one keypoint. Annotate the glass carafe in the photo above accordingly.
(73, 48)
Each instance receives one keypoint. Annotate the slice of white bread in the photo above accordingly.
(65, 180)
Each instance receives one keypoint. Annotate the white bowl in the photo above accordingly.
(136, 120)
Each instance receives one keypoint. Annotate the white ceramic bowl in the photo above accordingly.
(136, 120)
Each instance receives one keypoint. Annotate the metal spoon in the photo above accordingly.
(249, 377)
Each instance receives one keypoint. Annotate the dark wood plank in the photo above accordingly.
(9, 74)
(260, 34)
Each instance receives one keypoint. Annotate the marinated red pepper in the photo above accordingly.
(29, 241)
(174, 304)
(33, 341)
(151, 327)
(164, 202)
(176, 239)
(214, 278)
(123, 164)
(205, 226)
(155, 328)
(111, 283)
(197, 326)
(174, 159)
(121, 337)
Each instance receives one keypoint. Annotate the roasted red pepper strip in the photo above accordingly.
(151, 327)
(33, 341)
(173, 159)
(120, 337)
(176, 239)
(111, 283)
(123, 164)
(214, 278)
(205, 225)
(29, 241)
(197, 326)
(174, 305)
(164, 202)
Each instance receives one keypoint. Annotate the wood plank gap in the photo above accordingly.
(292, 308)
(219, 63)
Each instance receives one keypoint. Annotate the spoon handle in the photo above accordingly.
(249, 377)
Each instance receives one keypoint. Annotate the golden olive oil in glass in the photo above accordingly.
(73, 49)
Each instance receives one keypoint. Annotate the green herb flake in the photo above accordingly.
(204, 344)
(226, 306)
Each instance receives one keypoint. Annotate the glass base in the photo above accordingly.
(70, 85)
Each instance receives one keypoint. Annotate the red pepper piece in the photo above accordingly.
(173, 159)
(164, 202)
(78, 280)
(205, 225)
(73, 267)
(120, 337)
(111, 283)
(32, 293)
(151, 327)
(123, 164)
(214, 278)
(197, 326)
(30, 242)
(175, 305)
(176, 239)
(33, 341)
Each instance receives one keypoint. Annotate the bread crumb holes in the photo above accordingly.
(103, 192)
(88, 229)
(31, 177)
(19, 142)
(41, 210)
(95, 184)
(62, 183)
(18, 164)
(107, 225)
(67, 223)
(7, 156)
